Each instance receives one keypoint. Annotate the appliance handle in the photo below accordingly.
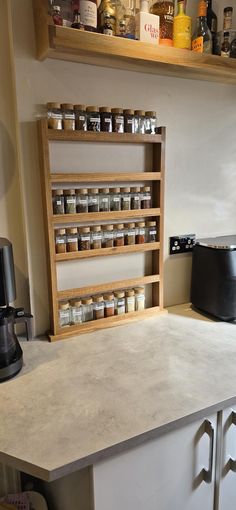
(27, 319)
(232, 462)
(209, 430)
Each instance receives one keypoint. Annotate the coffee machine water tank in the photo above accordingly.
(7, 273)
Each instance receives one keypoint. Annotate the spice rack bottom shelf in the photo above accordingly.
(109, 322)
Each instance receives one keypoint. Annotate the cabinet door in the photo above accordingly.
(227, 487)
(161, 474)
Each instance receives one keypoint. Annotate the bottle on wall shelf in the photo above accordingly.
(88, 14)
(107, 18)
(211, 22)
(182, 27)
(202, 38)
(165, 10)
(147, 24)
(120, 18)
(225, 48)
(129, 19)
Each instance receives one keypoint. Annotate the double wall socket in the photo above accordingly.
(182, 244)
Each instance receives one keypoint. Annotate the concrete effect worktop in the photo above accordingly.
(76, 401)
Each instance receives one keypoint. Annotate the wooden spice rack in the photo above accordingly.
(116, 52)
(156, 177)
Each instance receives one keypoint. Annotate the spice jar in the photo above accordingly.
(109, 305)
(130, 234)
(119, 238)
(108, 236)
(139, 298)
(125, 199)
(129, 301)
(93, 200)
(129, 121)
(60, 240)
(119, 303)
(106, 119)
(72, 239)
(115, 199)
(82, 200)
(104, 200)
(135, 198)
(84, 238)
(139, 121)
(87, 309)
(70, 201)
(98, 308)
(80, 117)
(151, 231)
(93, 119)
(58, 201)
(117, 120)
(64, 314)
(96, 237)
(140, 233)
(68, 113)
(150, 123)
(75, 311)
(146, 197)
(54, 116)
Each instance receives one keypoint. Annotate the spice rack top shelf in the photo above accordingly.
(105, 177)
(96, 49)
(90, 136)
(59, 219)
(104, 252)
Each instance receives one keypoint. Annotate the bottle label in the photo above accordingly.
(109, 305)
(136, 198)
(108, 121)
(98, 306)
(77, 312)
(97, 237)
(120, 234)
(56, 115)
(94, 200)
(140, 297)
(141, 231)
(197, 44)
(126, 199)
(64, 315)
(119, 120)
(59, 202)
(70, 200)
(182, 32)
(72, 239)
(225, 54)
(130, 300)
(88, 14)
(152, 232)
(116, 199)
(105, 200)
(95, 119)
(107, 31)
(60, 241)
(69, 116)
(85, 238)
(82, 201)
(81, 117)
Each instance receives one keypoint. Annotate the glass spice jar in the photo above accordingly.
(140, 233)
(93, 200)
(109, 305)
(87, 309)
(75, 311)
(54, 116)
(84, 238)
(135, 198)
(151, 231)
(80, 117)
(117, 120)
(104, 200)
(70, 201)
(129, 301)
(119, 237)
(58, 201)
(60, 240)
(146, 197)
(119, 303)
(115, 199)
(139, 299)
(140, 122)
(129, 121)
(68, 113)
(108, 236)
(150, 123)
(96, 237)
(82, 200)
(72, 239)
(125, 199)
(130, 234)
(64, 314)
(106, 119)
(93, 119)
(98, 307)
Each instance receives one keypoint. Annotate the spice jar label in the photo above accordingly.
(72, 239)
(95, 119)
(131, 233)
(99, 306)
(142, 231)
(136, 197)
(71, 201)
(152, 232)
(130, 300)
(126, 199)
(105, 200)
(96, 237)
(64, 315)
(120, 234)
(109, 305)
(116, 199)
(140, 297)
(119, 120)
(81, 117)
(60, 241)
(94, 200)
(59, 202)
(56, 115)
(82, 201)
(85, 238)
(69, 116)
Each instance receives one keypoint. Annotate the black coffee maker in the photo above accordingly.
(11, 356)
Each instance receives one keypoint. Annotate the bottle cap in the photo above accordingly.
(115, 190)
(87, 301)
(131, 225)
(139, 290)
(129, 112)
(228, 9)
(53, 106)
(60, 232)
(144, 6)
(82, 191)
(119, 294)
(94, 191)
(75, 302)
(141, 224)
(98, 299)
(108, 227)
(57, 192)
(84, 230)
(64, 305)
(80, 107)
(104, 190)
(92, 109)
(146, 188)
(135, 190)
(151, 114)
(120, 226)
(108, 297)
(141, 113)
(67, 106)
(105, 109)
(72, 230)
(117, 110)
(96, 228)
(129, 293)
(125, 190)
(151, 223)
(70, 192)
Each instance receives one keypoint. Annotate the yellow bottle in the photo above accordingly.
(182, 28)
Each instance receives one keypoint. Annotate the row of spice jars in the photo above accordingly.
(91, 118)
(85, 200)
(87, 309)
(106, 236)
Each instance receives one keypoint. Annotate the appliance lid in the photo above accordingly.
(219, 243)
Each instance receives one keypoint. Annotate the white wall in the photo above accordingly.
(201, 148)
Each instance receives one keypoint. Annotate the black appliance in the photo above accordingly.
(11, 356)
(213, 287)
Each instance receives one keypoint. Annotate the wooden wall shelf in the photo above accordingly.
(97, 49)
(59, 219)
(105, 177)
(105, 252)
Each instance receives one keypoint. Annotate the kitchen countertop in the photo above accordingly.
(80, 400)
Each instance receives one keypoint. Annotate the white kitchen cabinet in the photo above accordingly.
(161, 474)
(227, 470)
